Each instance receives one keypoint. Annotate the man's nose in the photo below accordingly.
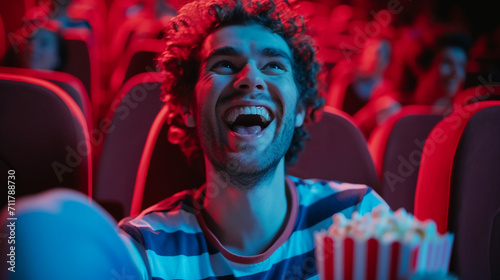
(250, 79)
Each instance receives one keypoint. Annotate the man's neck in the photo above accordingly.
(248, 220)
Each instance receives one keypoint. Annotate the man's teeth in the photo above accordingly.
(250, 110)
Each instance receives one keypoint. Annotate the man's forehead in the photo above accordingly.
(244, 38)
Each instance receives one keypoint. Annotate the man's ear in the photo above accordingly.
(301, 114)
(188, 117)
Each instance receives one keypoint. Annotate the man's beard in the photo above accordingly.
(245, 178)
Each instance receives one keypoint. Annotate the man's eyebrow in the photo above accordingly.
(230, 51)
(226, 51)
(274, 52)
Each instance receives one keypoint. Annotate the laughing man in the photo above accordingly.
(240, 80)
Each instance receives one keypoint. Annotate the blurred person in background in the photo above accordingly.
(363, 79)
(439, 70)
(443, 70)
(44, 49)
(363, 91)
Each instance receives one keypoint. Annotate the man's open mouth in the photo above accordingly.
(248, 120)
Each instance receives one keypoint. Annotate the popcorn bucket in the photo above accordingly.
(352, 257)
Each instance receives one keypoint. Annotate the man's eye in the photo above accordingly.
(274, 68)
(223, 67)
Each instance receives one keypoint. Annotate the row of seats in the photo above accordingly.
(86, 61)
(439, 167)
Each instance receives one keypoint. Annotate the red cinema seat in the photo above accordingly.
(129, 31)
(83, 61)
(396, 147)
(459, 187)
(475, 94)
(337, 151)
(163, 169)
(3, 46)
(117, 12)
(45, 138)
(125, 131)
(69, 83)
(140, 57)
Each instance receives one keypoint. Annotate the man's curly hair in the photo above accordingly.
(180, 62)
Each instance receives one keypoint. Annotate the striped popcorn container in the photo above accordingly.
(346, 258)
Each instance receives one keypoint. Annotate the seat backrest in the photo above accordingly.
(163, 170)
(337, 150)
(144, 59)
(2, 39)
(396, 147)
(129, 31)
(459, 187)
(477, 93)
(128, 123)
(140, 57)
(82, 60)
(48, 143)
(117, 11)
(69, 83)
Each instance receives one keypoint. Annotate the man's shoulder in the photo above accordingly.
(166, 227)
(173, 203)
(170, 212)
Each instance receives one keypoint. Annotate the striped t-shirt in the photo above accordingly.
(178, 244)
